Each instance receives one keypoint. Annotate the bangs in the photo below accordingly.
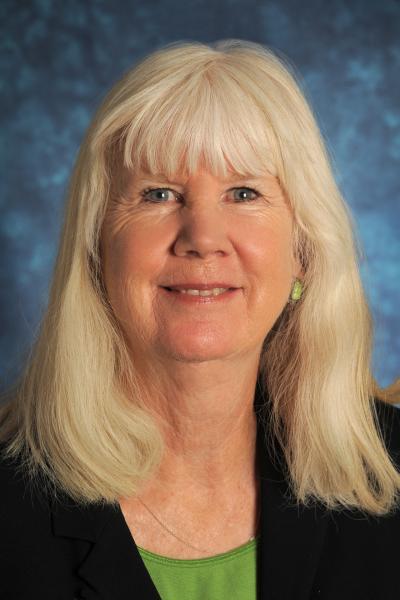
(204, 118)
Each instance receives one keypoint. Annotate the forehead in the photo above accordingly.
(183, 178)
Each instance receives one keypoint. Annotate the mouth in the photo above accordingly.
(214, 291)
(195, 296)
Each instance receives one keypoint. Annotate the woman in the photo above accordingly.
(198, 418)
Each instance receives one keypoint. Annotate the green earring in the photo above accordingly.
(296, 291)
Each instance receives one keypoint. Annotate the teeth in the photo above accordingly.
(213, 292)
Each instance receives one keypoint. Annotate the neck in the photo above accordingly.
(205, 412)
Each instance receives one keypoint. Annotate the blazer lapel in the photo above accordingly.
(113, 568)
(289, 548)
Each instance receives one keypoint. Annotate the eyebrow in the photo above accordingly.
(235, 178)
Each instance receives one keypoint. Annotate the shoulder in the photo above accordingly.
(389, 423)
(32, 558)
(365, 531)
(14, 479)
(359, 556)
(24, 507)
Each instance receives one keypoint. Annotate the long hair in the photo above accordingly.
(78, 414)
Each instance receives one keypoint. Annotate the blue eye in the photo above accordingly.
(250, 194)
(149, 194)
(160, 195)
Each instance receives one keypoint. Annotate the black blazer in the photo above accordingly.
(57, 550)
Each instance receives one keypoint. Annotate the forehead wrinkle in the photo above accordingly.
(161, 177)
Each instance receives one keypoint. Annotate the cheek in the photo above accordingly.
(131, 261)
(271, 281)
(269, 253)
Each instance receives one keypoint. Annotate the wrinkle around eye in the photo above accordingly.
(119, 213)
(125, 211)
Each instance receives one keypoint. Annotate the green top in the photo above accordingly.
(231, 574)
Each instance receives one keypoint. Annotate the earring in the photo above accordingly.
(297, 290)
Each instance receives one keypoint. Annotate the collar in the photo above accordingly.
(290, 543)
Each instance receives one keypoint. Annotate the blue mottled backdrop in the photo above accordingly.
(58, 58)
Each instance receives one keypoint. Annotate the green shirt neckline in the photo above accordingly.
(196, 562)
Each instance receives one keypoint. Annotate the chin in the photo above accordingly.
(197, 350)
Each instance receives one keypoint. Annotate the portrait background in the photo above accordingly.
(59, 58)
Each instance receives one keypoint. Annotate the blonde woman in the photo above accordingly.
(198, 418)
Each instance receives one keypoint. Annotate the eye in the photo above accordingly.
(157, 195)
(248, 194)
(160, 195)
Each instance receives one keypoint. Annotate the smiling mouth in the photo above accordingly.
(196, 292)
(198, 298)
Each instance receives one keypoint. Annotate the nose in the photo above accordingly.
(202, 233)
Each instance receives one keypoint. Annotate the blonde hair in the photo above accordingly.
(238, 105)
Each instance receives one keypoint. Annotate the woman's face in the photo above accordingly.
(198, 232)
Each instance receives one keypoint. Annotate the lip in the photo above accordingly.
(178, 297)
(201, 286)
